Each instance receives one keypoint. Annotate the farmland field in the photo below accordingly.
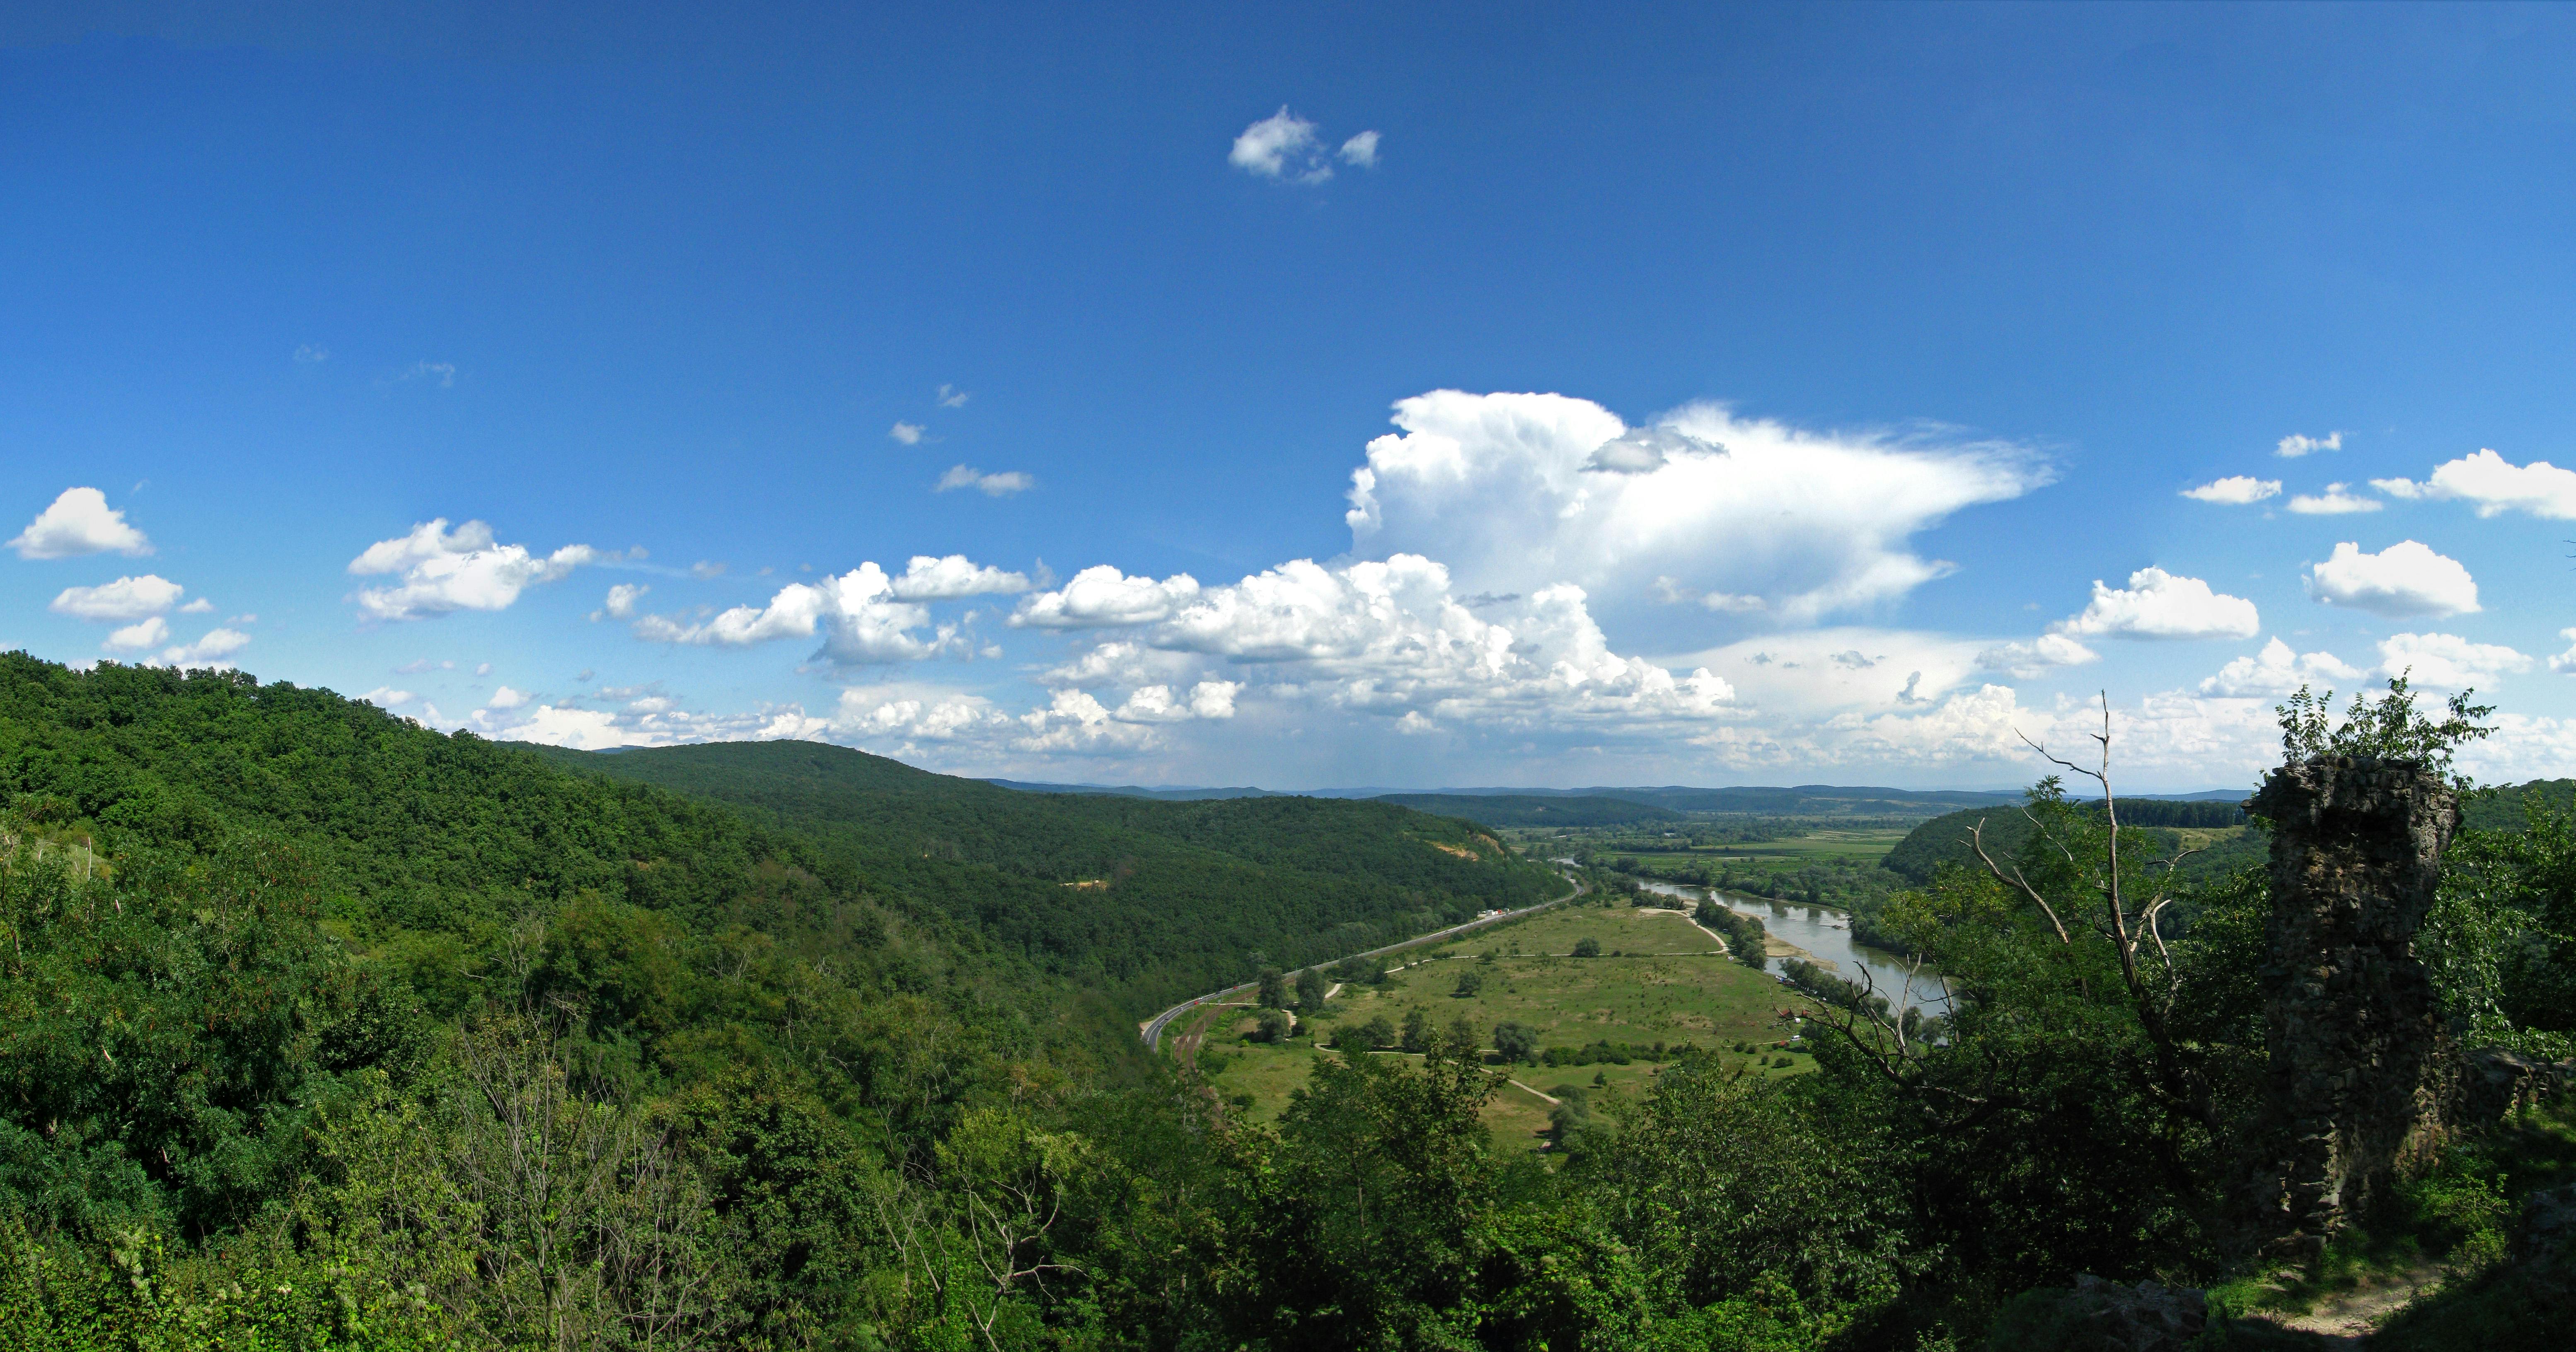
(1660, 979)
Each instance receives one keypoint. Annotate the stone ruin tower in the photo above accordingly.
(2356, 852)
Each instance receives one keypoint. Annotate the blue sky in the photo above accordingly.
(1772, 386)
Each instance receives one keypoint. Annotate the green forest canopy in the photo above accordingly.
(320, 1029)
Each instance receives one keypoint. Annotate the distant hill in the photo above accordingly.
(1155, 900)
(1804, 800)
(1503, 809)
(1944, 839)
(2502, 808)
(1165, 795)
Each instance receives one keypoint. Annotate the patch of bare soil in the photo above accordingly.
(2348, 1318)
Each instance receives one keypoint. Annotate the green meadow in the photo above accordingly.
(1659, 978)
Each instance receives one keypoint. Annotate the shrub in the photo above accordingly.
(1587, 948)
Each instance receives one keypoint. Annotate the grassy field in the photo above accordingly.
(1668, 983)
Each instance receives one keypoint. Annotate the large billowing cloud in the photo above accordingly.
(2157, 604)
(2278, 670)
(1516, 492)
(441, 571)
(857, 613)
(2447, 661)
(2404, 580)
(78, 522)
(945, 579)
(1392, 638)
(127, 598)
(1102, 597)
(2495, 485)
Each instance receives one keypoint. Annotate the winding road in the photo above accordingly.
(1153, 1028)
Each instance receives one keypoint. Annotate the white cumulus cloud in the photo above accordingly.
(2157, 604)
(1283, 147)
(907, 432)
(1361, 150)
(1515, 492)
(2333, 502)
(2406, 579)
(127, 598)
(942, 579)
(2294, 445)
(998, 485)
(2447, 661)
(2236, 490)
(2565, 661)
(79, 522)
(2278, 670)
(2495, 485)
(210, 650)
(857, 614)
(1100, 597)
(2037, 657)
(622, 597)
(1391, 638)
(506, 698)
(146, 633)
(442, 571)
(386, 697)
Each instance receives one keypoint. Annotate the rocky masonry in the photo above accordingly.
(2356, 853)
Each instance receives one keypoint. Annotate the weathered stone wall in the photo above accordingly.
(2356, 852)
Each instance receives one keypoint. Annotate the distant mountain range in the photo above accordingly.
(1804, 800)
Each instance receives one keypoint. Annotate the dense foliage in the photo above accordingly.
(1155, 900)
(1509, 809)
(321, 1030)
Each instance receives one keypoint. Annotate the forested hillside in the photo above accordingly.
(1506, 809)
(321, 1030)
(1156, 901)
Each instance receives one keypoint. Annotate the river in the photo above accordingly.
(1826, 935)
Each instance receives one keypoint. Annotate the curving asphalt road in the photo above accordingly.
(1153, 1030)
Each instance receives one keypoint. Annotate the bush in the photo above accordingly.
(1517, 1042)
(1587, 948)
(1469, 982)
(1369, 1036)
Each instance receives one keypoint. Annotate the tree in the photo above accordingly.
(1469, 982)
(2388, 728)
(1310, 991)
(1518, 1042)
(1276, 1027)
(1462, 1043)
(1273, 992)
(1587, 948)
(1417, 1031)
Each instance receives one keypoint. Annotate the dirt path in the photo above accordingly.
(1693, 922)
(2348, 1318)
(1552, 1100)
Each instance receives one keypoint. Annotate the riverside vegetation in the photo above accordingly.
(322, 1030)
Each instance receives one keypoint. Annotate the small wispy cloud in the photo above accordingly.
(2333, 502)
(444, 372)
(907, 432)
(952, 397)
(990, 485)
(1286, 148)
(2295, 445)
(311, 353)
(2236, 490)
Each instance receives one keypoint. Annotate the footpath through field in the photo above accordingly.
(1152, 1029)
